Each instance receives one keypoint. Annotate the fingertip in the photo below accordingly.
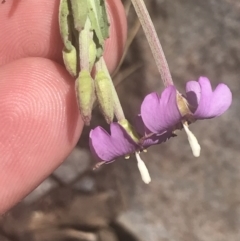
(39, 124)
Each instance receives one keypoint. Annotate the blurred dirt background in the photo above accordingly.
(189, 198)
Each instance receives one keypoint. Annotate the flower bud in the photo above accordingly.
(85, 95)
(70, 61)
(104, 95)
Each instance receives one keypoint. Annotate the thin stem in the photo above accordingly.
(153, 41)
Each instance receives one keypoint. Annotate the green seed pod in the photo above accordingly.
(104, 95)
(85, 95)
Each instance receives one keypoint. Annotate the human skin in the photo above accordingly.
(39, 119)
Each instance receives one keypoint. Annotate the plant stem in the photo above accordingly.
(84, 41)
(153, 41)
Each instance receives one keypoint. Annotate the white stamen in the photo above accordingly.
(192, 141)
(143, 169)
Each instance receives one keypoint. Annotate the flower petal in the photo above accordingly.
(212, 103)
(156, 139)
(148, 138)
(140, 127)
(160, 114)
(108, 147)
(193, 94)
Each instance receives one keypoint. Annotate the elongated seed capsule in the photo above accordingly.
(104, 95)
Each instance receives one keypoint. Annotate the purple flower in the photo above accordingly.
(206, 103)
(160, 117)
(161, 113)
(107, 147)
(172, 111)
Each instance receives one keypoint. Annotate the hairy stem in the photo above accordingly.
(153, 41)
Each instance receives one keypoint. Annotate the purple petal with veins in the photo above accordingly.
(107, 147)
(140, 127)
(156, 139)
(210, 103)
(160, 114)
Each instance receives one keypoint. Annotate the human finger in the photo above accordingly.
(39, 125)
